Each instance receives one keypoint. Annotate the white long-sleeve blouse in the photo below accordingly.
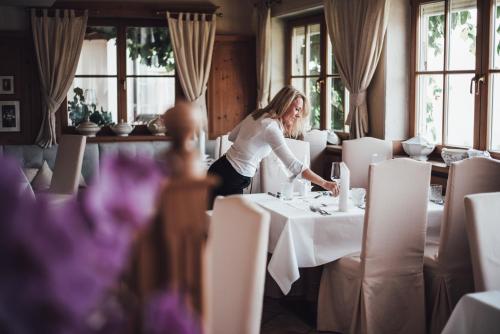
(253, 140)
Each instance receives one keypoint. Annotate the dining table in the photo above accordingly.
(309, 231)
(475, 313)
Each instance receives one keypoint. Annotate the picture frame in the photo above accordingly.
(7, 84)
(10, 120)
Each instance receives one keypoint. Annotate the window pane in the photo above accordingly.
(495, 113)
(463, 24)
(337, 102)
(300, 84)
(314, 101)
(331, 66)
(431, 37)
(93, 97)
(149, 97)
(298, 50)
(149, 51)
(496, 31)
(460, 125)
(313, 39)
(98, 55)
(430, 107)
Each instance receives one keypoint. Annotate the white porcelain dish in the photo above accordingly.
(418, 148)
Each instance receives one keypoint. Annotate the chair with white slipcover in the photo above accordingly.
(236, 266)
(447, 266)
(272, 171)
(483, 231)
(358, 154)
(381, 290)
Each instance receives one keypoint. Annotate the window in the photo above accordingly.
(446, 64)
(494, 81)
(457, 72)
(312, 70)
(125, 72)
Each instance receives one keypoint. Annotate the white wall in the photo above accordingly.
(397, 71)
(277, 55)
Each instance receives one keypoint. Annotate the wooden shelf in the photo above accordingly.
(113, 139)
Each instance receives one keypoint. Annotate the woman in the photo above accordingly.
(257, 135)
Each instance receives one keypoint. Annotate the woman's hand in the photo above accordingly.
(331, 186)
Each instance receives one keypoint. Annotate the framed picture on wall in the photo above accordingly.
(7, 84)
(9, 116)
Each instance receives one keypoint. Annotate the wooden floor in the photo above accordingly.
(287, 317)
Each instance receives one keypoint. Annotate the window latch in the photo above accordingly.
(476, 81)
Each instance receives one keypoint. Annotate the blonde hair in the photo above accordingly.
(280, 104)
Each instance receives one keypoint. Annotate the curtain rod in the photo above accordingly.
(164, 12)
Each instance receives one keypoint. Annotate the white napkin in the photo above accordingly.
(344, 187)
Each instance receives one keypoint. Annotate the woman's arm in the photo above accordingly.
(283, 152)
(316, 179)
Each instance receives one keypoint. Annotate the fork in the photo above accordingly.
(318, 210)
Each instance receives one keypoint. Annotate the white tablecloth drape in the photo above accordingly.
(477, 313)
(301, 238)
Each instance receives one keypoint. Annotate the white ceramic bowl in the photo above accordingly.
(122, 129)
(418, 151)
(450, 155)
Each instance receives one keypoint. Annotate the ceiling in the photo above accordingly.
(27, 3)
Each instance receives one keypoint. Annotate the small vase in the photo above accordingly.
(88, 128)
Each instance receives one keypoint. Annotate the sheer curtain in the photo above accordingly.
(58, 41)
(193, 38)
(357, 31)
(263, 53)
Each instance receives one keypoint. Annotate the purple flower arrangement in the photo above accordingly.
(59, 262)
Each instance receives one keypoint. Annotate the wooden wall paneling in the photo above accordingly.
(232, 84)
(18, 59)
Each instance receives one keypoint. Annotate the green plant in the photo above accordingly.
(79, 110)
(152, 46)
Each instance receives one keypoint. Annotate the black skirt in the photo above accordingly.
(230, 181)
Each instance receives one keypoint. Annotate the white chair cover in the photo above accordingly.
(483, 230)
(272, 171)
(448, 273)
(357, 154)
(236, 263)
(68, 165)
(382, 289)
(317, 141)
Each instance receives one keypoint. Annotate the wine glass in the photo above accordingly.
(335, 172)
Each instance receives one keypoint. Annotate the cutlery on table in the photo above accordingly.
(318, 210)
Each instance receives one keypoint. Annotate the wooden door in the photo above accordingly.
(232, 84)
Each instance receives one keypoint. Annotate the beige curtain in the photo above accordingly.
(263, 53)
(357, 31)
(58, 41)
(193, 38)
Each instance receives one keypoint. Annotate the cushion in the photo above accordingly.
(43, 178)
(30, 173)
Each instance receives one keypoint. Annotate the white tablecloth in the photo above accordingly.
(477, 313)
(301, 238)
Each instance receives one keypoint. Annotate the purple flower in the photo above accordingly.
(57, 263)
(167, 314)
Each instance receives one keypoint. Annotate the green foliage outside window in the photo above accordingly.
(153, 49)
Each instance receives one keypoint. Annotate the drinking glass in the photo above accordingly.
(436, 193)
(335, 172)
(287, 191)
